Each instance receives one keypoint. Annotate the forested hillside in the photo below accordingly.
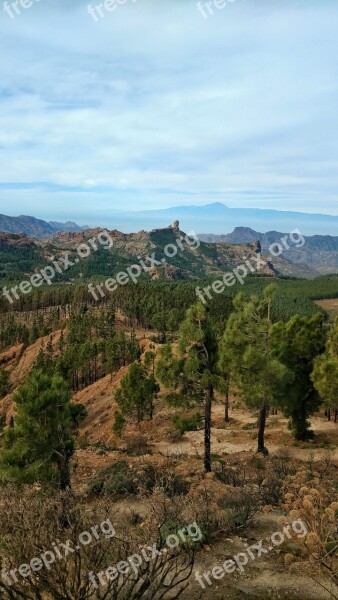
(192, 259)
(167, 407)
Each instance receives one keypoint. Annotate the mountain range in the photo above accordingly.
(33, 227)
(218, 218)
(21, 256)
(319, 252)
(318, 255)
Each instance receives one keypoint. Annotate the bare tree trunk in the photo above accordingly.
(261, 428)
(64, 473)
(226, 412)
(207, 428)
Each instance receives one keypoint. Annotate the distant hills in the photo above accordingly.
(33, 227)
(318, 256)
(218, 218)
(320, 252)
(215, 218)
(21, 256)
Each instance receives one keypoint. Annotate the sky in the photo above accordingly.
(153, 105)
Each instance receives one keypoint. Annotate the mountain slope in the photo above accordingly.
(320, 252)
(33, 227)
(187, 258)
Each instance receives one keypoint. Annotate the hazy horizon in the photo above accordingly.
(214, 218)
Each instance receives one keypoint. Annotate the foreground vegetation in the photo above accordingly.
(265, 351)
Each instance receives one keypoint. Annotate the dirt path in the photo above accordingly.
(264, 577)
(234, 438)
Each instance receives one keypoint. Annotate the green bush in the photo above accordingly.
(183, 424)
(117, 479)
(119, 423)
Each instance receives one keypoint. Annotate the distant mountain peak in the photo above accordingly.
(33, 227)
(244, 230)
(218, 218)
(217, 205)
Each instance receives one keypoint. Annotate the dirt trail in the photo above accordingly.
(234, 439)
(263, 577)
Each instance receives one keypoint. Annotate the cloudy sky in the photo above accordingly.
(155, 106)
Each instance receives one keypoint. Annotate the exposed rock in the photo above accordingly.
(257, 246)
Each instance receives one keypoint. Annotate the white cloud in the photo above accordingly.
(154, 104)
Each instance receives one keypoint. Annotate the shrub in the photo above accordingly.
(249, 426)
(34, 520)
(278, 468)
(257, 462)
(219, 510)
(119, 423)
(170, 483)
(230, 474)
(137, 444)
(174, 435)
(184, 424)
(174, 485)
(117, 479)
(83, 441)
(310, 495)
(240, 506)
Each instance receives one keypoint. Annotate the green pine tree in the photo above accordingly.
(297, 343)
(194, 375)
(4, 382)
(246, 350)
(136, 395)
(325, 372)
(41, 444)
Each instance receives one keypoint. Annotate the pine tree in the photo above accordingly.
(61, 343)
(246, 348)
(119, 423)
(24, 338)
(4, 382)
(41, 444)
(112, 356)
(137, 392)
(325, 372)
(111, 317)
(225, 366)
(149, 361)
(297, 343)
(194, 375)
